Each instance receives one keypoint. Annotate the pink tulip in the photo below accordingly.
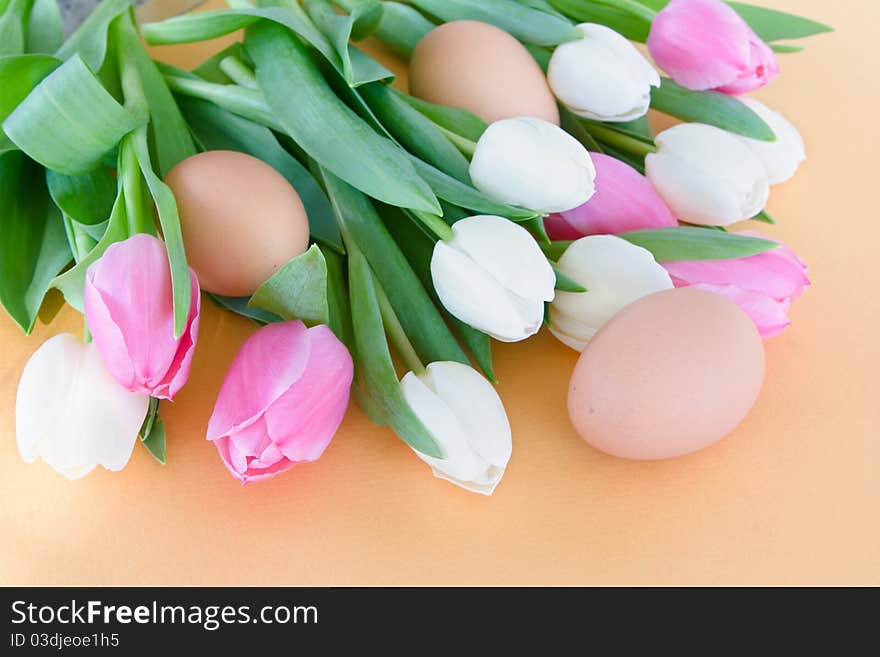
(624, 200)
(130, 313)
(763, 285)
(705, 44)
(283, 399)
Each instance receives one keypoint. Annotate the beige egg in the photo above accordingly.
(481, 68)
(241, 220)
(670, 374)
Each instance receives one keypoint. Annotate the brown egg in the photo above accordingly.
(481, 68)
(241, 220)
(668, 375)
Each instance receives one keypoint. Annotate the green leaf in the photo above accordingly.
(415, 131)
(166, 208)
(632, 27)
(784, 49)
(374, 359)
(764, 217)
(89, 40)
(19, 74)
(457, 193)
(155, 441)
(218, 129)
(338, 29)
(204, 25)
(298, 290)
(13, 27)
(402, 27)
(455, 120)
(421, 320)
(525, 23)
(327, 129)
(45, 31)
(772, 25)
(171, 136)
(337, 301)
(33, 243)
(72, 282)
(691, 243)
(710, 107)
(239, 305)
(210, 68)
(69, 121)
(88, 198)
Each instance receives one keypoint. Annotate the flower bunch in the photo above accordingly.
(433, 227)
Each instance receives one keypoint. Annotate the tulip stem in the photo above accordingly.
(239, 72)
(401, 342)
(620, 140)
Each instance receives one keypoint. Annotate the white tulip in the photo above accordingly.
(464, 414)
(602, 76)
(707, 176)
(615, 273)
(72, 413)
(493, 276)
(534, 164)
(781, 158)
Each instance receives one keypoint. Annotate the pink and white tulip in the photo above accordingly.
(624, 200)
(282, 401)
(763, 285)
(705, 44)
(130, 312)
(70, 412)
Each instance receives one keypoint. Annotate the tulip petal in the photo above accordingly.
(304, 419)
(602, 76)
(702, 44)
(508, 253)
(473, 296)
(461, 465)
(135, 274)
(71, 411)
(706, 175)
(624, 200)
(769, 315)
(532, 163)
(265, 367)
(783, 157)
(615, 272)
(43, 390)
(476, 404)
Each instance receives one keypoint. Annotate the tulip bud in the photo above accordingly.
(129, 308)
(602, 76)
(624, 200)
(282, 401)
(615, 273)
(707, 176)
(493, 276)
(534, 164)
(781, 158)
(70, 412)
(705, 44)
(466, 418)
(763, 285)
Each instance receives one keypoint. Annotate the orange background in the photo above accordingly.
(791, 498)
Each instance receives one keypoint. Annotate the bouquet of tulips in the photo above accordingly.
(518, 185)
